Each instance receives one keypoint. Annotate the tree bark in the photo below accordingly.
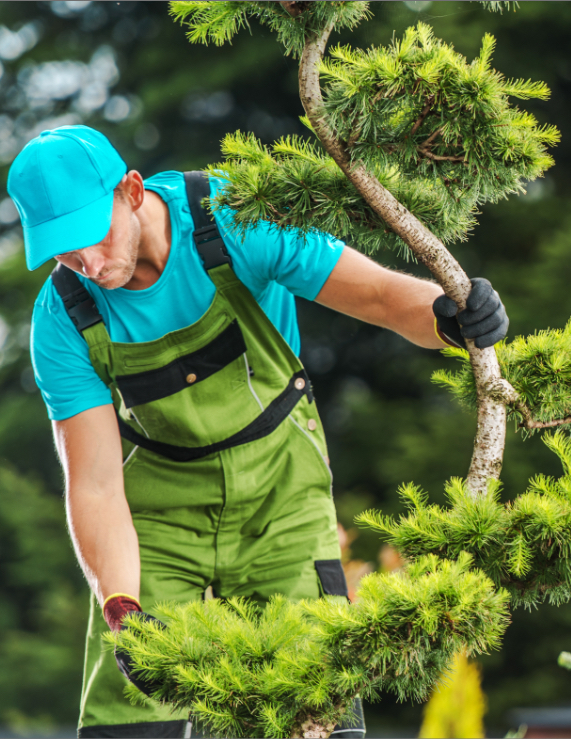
(294, 7)
(491, 425)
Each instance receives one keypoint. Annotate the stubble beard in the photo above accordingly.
(125, 274)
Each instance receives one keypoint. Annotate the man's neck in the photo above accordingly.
(154, 241)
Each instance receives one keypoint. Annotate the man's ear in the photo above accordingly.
(133, 189)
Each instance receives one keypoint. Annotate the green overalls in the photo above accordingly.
(225, 467)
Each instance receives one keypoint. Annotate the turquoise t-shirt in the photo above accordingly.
(274, 265)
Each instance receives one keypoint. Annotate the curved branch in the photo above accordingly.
(490, 434)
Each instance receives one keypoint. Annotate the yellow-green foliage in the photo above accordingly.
(524, 545)
(294, 184)
(249, 673)
(438, 132)
(457, 705)
(538, 367)
(419, 104)
(219, 21)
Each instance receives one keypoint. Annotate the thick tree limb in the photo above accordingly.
(490, 434)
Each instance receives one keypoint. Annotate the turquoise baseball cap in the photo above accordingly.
(62, 184)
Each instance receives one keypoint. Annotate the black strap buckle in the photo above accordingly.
(211, 247)
(84, 314)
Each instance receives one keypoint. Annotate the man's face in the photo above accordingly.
(110, 263)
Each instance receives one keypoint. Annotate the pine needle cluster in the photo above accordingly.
(219, 21)
(294, 184)
(537, 366)
(243, 671)
(437, 132)
(524, 545)
(419, 105)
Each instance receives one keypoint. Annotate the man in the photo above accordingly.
(192, 448)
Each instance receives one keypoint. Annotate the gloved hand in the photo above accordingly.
(484, 318)
(115, 608)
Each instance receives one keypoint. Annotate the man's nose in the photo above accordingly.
(91, 262)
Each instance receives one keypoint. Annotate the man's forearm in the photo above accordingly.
(409, 312)
(98, 514)
(361, 288)
(105, 541)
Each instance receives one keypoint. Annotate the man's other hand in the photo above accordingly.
(125, 663)
(484, 319)
(115, 609)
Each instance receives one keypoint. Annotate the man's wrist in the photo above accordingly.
(117, 606)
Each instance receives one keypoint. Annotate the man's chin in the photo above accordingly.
(110, 282)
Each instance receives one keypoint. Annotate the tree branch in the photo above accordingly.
(437, 158)
(430, 139)
(490, 434)
(294, 8)
(529, 424)
(502, 391)
(422, 116)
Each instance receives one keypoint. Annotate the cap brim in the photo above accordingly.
(77, 230)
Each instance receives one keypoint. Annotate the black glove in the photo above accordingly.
(125, 663)
(484, 318)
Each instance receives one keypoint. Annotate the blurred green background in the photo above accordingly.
(127, 69)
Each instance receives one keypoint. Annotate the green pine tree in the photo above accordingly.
(406, 143)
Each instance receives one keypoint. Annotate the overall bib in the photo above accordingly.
(225, 468)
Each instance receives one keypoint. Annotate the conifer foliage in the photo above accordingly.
(291, 669)
(411, 124)
(539, 369)
(523, 546)
(438, 132)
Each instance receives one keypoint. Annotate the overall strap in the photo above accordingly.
(77, 301)
(207, 238)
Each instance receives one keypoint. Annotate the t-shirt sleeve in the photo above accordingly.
(60, 357)
(300, 263)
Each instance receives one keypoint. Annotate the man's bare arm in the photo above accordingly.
(99, 518)
(361, 288)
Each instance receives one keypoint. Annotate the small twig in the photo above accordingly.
(431, 138)
(425, 112)
(378, 96)
(276, 212)
(438, 158)
(502, 391)
(529, 424)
